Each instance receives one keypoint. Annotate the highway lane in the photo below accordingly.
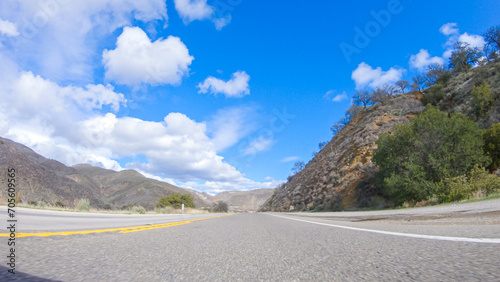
(34, 220)
(251, 247)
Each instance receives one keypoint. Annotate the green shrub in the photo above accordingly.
(41, 204)
(421, 154)
(82, 204)
(483, 99)
(59, 205)
(220, 206)
(138, 209)
(176, 200)
(434, 95)
(454, 189)
(481, 180)
(165, 210)
(492, 146)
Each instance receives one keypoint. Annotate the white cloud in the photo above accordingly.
(449, 29)
(59, 39)
(259, 144)
(236, 87)
(340, 97)
(474, 41)
(228, 126)
(365, 75)
(289, 159)
(337, 98)
(138, 60)
(423, 59)
(7, 28)
(453, 33)
(191, 10)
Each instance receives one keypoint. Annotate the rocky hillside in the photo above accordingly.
(41, 179)
(341, 175)
(458, 98)
(244, 201)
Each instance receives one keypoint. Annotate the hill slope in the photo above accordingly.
(41, 179)
(244, 201)
(341, 175)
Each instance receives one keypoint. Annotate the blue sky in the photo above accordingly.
(211, 95)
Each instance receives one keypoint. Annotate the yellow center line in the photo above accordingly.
(121, 229)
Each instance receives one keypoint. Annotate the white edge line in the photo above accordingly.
(421, 236)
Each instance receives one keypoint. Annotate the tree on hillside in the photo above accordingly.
(298, 166)
(419, 82)
(353, 111)
(336, 128)
(321, 145)
(402, 85)
(362, 98)
(436, 73)
(464, 57)
(176, 200)
(492, 38)
(431, 148)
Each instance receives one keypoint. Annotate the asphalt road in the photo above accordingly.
(253, 247)
(34, 220)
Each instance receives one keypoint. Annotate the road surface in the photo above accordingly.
(270, 247)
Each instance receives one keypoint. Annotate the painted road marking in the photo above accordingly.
(120, 230)
(420, 236)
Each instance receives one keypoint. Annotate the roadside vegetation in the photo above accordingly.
(436, 158)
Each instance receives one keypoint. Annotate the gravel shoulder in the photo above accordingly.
(476, 213)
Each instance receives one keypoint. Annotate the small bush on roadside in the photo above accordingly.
(41, 204)
(165, 210)
(59, 205)
(454, 189)
(220, 206)
(138, 209)
(82, 204)
(492, 146)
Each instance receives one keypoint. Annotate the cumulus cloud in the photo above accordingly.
(289, 159)
(337, 98)
(365, 75)
(236, 87)
(474, 40)
(137, 60)
(449, 29)
(423, 59)
(259, 144)
(7, 28)
(69, 124)
(453, 33)
(192, 10)
(66, 34)
(228, 126)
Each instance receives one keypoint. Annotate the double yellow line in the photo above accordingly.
(120, 230)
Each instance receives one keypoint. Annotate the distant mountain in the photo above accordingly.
(41, 179)
(244, 200)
